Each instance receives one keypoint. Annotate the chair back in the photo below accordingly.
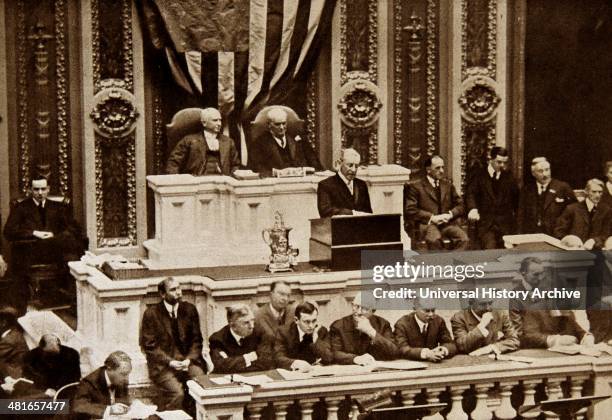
(186, 121)
(295, 125)
(66, 392)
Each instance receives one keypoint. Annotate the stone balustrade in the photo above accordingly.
(479, 391)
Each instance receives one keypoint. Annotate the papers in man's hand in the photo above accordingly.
(398, 365)
(140, 410)
(512, 358)
(252, 380)
(245, 174)
(577, 349)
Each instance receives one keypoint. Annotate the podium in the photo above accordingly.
(337, 242)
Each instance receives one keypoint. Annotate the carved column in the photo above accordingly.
(456, 412)
(529, 390)
(114, 149)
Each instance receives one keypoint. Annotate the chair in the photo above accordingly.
(66, 392)
(295, 125)
(184, 122)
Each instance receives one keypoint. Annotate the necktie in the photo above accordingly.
(424, 330)
(175, 331)
(43, 214)
(307, 339)
(591, 215)
(240, 340)
(439, 196)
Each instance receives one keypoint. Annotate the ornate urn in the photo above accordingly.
(282, 257)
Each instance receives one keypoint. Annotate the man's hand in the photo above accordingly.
(50, 392)
(364, 325)
(176, 365)
(438, 219)
(560, 340)
(361, 213)
(589, 244)
(364, 360)
(301, 366)
(42, 234)
(431, 355)
(483, 351)
(251, 357)
(3, 266)
(486, 319)
(118, 409)
(588, 340)
(473, 215)
(9, 385)
(442, 351)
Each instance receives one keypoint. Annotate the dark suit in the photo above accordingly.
(497, 203)
(266, 154)
(556, 197)
(52, 370)
(600, 320)
(334, 197)
(13, 349)
(288, 348)
(469, 338)
(227, 354)
(93, 396)
(190, 154)
(575, 220)
(411, 341)
(347, 342)
(267, 324)
(606, 198)
(421, 202)
(518, 308)
(160, 347)
(538, 325)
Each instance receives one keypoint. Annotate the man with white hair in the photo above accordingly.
(587, 220)
(542, 202)
(278, 149)
(205, 153)
(343, 193)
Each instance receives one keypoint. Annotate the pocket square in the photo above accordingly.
(559, 200)
(223, 354)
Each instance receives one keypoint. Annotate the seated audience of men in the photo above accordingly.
(362, 337)
(304, 342)
(533, 274)
(52, 365)
(236, 347)
(104, 392)
(492, 200)
(606, 198)
(277, 149)
(436, 207)
(171, 339)
(208, 152)
(587, 220)
(271, 316)
(553, 328)
(542, 201)
(479, 330)
(13, 349)
(423, 335)
(599, 295)
(343, 193)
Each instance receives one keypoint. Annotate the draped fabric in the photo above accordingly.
(238, 55)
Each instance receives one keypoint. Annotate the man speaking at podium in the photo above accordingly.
(343, 193)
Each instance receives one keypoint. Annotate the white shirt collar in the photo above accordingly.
(282, 141)
(420, 323)
(171, 308)
(5, 333)
(301, 334)
(432, 181)
(542, 187)
(276, 314)
(589, 204)
(236, 336)
(526, 285)
(492, 172)
(39, 202)
(343, 178)
(212, 141)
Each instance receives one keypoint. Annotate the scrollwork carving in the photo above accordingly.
(479, 98)
(359, 102)
(114, 113)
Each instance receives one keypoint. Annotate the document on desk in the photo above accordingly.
(140, 410)
(512, 358)
(254, 380)
(577, 349)
(398, 365)
(173, 415)
(339, 370)
(221, 380)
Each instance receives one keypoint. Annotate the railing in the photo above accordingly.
(475, 388)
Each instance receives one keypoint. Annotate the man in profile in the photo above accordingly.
(433, 203)
(587, 220)
(171, 339)
(553, 328)
(492, 200)
(542, 201)
(270, 317)
(423, 335)
(480, 330)
(205, 153)
(606, 198)
(237, 348)
(304, 342)
(277, 149)
(104, 392)
(343, 193)
(362, 337)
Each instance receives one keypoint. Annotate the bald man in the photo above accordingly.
(277, 149)
(205, 153)
(343, 193)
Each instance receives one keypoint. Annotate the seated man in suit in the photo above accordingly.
(492, 200)
(533, 274)
(171, 339)
(552, 328)
(423, 335)
(104, 392)
(479, 330)
(587, 220)
(606, 199)
(236, 347)
(343, 193)
(49, 223)
(205, 153)
(362, 337)
(277, 149)
(433, 203)
(542, 202)
(304, 342)
(52, 365)
(13, 347)
(270, 317)
(599, 309)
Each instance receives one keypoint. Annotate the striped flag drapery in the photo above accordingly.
(238, 55)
